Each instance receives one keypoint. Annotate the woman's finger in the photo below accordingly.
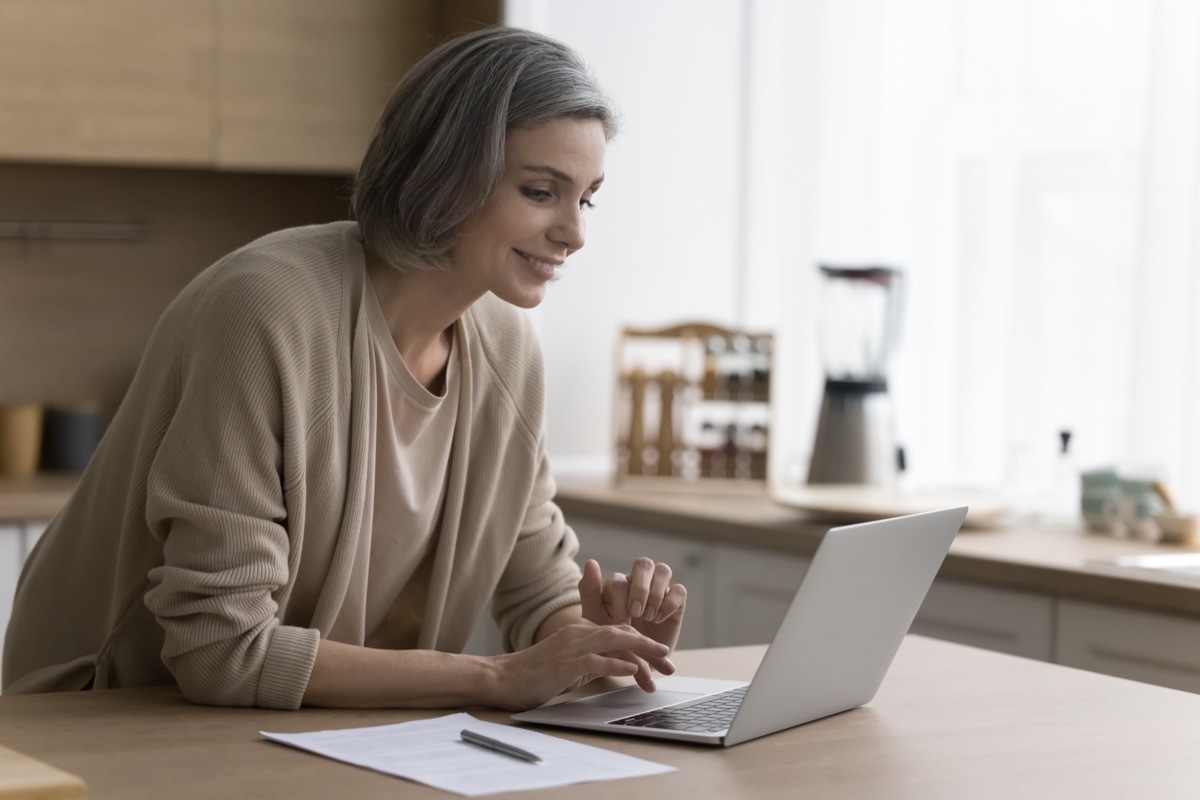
(616, 598)
(591, 592)
(660, 584)
(674, 602)
(644, 676)
(640, 578)
(599, 665)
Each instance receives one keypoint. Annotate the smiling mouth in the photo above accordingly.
(541, 267)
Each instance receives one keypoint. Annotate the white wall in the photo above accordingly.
(965, 141)
(686, 207)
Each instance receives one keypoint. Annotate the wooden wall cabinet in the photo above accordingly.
(275, 85)
(120, 81)
(300, 83)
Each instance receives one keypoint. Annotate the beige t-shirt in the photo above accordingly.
(414, 430)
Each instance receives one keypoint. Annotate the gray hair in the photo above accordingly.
(437, 152)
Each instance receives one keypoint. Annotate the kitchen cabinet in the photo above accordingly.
(301, 82)
(124, 81)
(11, 558)
(691, 563)
(746, 590)
(615, 548)
(752, 591)
(275, 85)
(1020, 623)
(1129, 643)
(16, 542)
(736, 595)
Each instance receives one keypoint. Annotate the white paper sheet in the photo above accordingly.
(432, 752)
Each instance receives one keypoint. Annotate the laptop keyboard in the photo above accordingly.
(713, 713)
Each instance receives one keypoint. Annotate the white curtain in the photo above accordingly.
(1033, 167)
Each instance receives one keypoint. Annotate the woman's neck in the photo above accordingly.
(420, 308)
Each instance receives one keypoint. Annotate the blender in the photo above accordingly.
(860, 315)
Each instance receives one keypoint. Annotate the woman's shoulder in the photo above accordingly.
(506, 359)
(278, 274)
(298, 258)
(504, 345)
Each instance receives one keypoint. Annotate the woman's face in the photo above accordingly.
(515, 244)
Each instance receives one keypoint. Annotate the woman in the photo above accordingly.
(331, 461)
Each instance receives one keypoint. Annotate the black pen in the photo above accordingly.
(471, 737)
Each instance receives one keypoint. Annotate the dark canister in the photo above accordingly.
(70, 434)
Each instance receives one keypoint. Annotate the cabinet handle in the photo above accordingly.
(95, 231)
(1119, 655)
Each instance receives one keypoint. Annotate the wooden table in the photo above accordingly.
(949, 722)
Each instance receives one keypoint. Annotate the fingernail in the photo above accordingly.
(636, 608)
(651, 613)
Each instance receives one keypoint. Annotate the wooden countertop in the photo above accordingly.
(37, 498)
(949, 721)
(1051, 561)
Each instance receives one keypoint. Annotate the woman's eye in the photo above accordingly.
(536, 194)
(586, 204)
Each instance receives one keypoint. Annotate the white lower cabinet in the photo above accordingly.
(739, 595)
(752, 590)
(616, 548)
(16, 541)
(691, 564)
(1143, 646)
(736, 595)
(1020, 623)
(12, 555)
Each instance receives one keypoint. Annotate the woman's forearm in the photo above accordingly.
(349, 676)
(559, 619)
(568, 654)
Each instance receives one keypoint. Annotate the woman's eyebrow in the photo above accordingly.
(559, 174)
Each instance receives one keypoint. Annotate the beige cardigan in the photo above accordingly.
(214, 535)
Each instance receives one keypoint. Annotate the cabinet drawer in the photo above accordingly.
(1143, 646)
(1003, 620)
(752, 592)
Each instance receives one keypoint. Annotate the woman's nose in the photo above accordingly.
(571, 229)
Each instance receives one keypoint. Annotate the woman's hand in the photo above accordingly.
(645, 599)
(570, 657)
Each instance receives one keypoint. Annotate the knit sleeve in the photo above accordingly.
(541, 576)
(216, 502)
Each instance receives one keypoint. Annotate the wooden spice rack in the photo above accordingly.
(693, 407)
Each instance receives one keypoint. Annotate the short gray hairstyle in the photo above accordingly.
(437, 152)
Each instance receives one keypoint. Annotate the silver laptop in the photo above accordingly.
(836, 642)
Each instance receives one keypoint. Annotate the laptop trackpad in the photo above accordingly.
(632, 700)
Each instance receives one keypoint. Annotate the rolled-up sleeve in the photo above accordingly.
(541, 576)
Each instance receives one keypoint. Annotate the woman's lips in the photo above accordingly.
(541, 267)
